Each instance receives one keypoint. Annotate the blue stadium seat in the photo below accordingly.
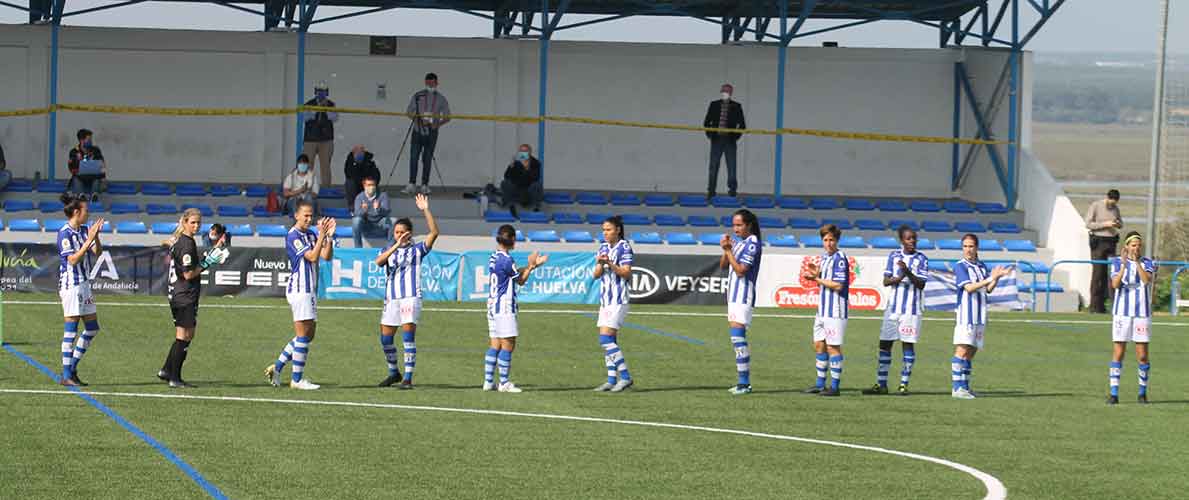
(1004, 227)
(596, 218)
(578, 237)
(344, 231)
(803, 223)
(813, 241)
(224, 190)
(958, 207)
(842, 224)
(556, 198)
(928, 206)
(50, 206)
(205, 210)
(97, 207)
(163, 227)
(107, 227)
(262, 211)
(949, 244)
(647, 238)
(759, 202)
(1030, 266)
(1019, 245)
(659, 200)
(725, 202)
(567, 218)
(824, 204)
(895, 224)
(860, 205)
(528, 217)
(668, 220)
(232, 211)
(702, 221)
(256, 191)
(19, 205)
(332, 193)
(692, 200)
(206, 228)
(155, 189)
(498, 216)
(884, 242)
(681, 239)
(120, 208)
(793, 203)
(131, 227)
(160, 209)
(19, 186)
(869, 225)
(546, 236)
(852, 242)
(710, 238)
(925, 244)
(190, 190)
(727, 220)
(271, 230)
(625, 200)
(772, 223)
(53, 225)
(970, 227)
(937, 226)
(592, 199)
(51, 187)
(240, 229)
(336, 212)
(121, 188)
(937, 265)
(784, 240)
(990, 208)
(636, 220)
(891, 206)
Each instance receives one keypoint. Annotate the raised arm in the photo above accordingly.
(328, 245)
(535, 260)
(423, 204)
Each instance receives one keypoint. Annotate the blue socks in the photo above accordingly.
(742, 355)
(388, 344)
(910, 357)
(885, 364)
(489, 361)
(957, 365)
(84, 342)
(835, 372)
(820, 362)
(504, 361)
(1143, 379)
(301, 349)
(1116, 371)
(286, 355)
(69, 334)
(410, 345)
(617, 366)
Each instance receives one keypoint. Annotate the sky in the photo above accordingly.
(1079, 26)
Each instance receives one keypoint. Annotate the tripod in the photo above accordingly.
(434, 159)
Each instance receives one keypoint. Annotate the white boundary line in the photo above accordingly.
(575, 311)
(995, 488)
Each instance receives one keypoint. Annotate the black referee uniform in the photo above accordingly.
(183, 303)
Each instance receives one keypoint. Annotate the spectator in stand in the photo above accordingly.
(370, 213)
(217, 237)
(5, 175)
(522, 182)
(319, 132)
(360, 165)
(429, 111)
(1104, 221)
(723, 113)
(88, 170)
(301, 185)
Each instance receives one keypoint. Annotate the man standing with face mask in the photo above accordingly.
(723, 113)
(360, 165)
(319, 131)
(429, 111)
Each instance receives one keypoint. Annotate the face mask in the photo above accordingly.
(371, 191)
(431, 89)
(87, 143)
(321, 94)
(522, 156)
(303, 167)
(726, 96)
(358, 156)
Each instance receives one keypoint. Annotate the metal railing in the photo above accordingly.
(1049, 278)
(1174, 296)
(1020, 265)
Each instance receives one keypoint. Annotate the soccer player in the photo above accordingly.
(1131, 278)
(832, 275)
(304, 247)
(402, 294)
(613, 269)
(77, 243)
(906, 272)
(502, 308)
(975, 284)
(185, 284)
(743, 259)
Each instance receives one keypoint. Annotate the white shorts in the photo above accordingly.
(398, 312)
(902, 327)
(77, 300)
(612, 316)
(830, 330)
(1128, 329)
(971, 335)
(304, 306)
(739, 313)
(502, 326)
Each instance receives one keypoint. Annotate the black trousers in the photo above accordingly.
(1101, 248)
(422, 149)
(718, 149)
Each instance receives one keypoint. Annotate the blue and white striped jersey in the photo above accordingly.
(501, 295)
(906, 298)
(972, 306)
(403, 270)
(834, 304)
(69, 242)
(1133, 298)
(615, 287)
(742, 289)
(303, 274)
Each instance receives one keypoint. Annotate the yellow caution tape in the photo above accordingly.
(164, 111)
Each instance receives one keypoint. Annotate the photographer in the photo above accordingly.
(1104, 221)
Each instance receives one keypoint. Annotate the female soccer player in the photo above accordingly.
(829, 327)
(1131, 277)
(975, 284)
(613, 268)
(743, 259)
(402, 295)
(185, 276)
(502, 308)
(304, 247)
(77, 243)
(906, 272)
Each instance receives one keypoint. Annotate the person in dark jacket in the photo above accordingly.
(87, 184)
(522, 182)
(360, 165)
(723, 113)
(318, 143)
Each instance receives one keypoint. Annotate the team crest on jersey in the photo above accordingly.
(816, 260)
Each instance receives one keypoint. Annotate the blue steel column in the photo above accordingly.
(781, 51)
(51, 138)
(1013, 107)
(301, 77)
(543, 81)
(957, 126)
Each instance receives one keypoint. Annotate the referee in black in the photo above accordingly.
(185, 275)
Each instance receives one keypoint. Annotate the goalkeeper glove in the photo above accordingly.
(215, 256)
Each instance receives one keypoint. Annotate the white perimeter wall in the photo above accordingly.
(880, 90)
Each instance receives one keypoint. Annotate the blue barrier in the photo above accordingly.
(1174, 295)
(1049, 278)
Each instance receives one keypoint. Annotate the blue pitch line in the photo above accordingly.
(654, 331)
(211, 489)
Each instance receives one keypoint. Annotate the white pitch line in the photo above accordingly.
(995, 488)
(580, 311)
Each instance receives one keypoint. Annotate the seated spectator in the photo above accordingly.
(300, 185)
(88, 170)
(522, 182)
(370, 213)
(217, 237)
(360, 166)
(5, 175)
